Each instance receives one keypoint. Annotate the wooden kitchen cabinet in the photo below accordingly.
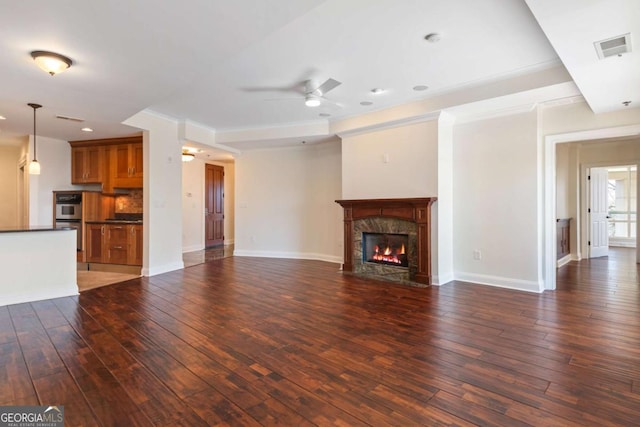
(87, 165)
(94, 242)
(126, 165)
(114, 163)
(114, 243)
(135, 245)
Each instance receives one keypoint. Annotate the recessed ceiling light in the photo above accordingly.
(377, 91)
(432, 37)
(87, 130)
(324, 115)
(366, 103)
(420, 88)
(3, 118)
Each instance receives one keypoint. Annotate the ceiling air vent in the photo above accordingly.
(73, 119)
(615, 46)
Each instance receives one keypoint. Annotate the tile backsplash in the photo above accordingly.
(129, 203)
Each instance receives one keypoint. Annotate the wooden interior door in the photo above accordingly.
(214, 205)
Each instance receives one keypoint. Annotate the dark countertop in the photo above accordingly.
(33, 228)
(111, 221)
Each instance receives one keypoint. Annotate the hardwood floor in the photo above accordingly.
(245, 341)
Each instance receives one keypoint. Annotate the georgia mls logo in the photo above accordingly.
(31, 416)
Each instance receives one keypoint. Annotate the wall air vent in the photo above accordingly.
(614, 46)
(73, 119)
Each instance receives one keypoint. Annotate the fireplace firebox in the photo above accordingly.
(384, 248)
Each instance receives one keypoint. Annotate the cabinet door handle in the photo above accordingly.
(116, 228)
(102, 230)
(117, 247)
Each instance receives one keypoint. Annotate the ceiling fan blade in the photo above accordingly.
(331, 102)
(284, 99)
(327, 86)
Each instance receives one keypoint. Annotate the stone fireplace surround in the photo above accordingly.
(405, 216)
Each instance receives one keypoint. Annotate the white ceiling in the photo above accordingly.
(212, 62)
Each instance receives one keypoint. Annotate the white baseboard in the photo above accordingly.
(55, 291)
(292, 255)
(626, 243)
(564, 261)
(501, 282)
(159, 269)
(192, 248)
(442, 279)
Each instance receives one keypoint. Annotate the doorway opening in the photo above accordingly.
(214, 205)
(612, 208)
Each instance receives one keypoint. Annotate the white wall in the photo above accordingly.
(285, 203)
(9, 157)
(495, 205)
(579, 117)
(37, 265)
(410, 171)
(193, 191)
(54, 156)
(562, 181)
(442, 239)
(162, 193)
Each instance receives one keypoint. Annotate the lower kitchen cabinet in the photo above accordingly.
(94, 242)
(117, 244)
(135, 245)
(114, 243)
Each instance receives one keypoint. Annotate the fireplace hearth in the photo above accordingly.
(387, 219)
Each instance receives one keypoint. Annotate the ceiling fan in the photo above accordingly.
(312, 94)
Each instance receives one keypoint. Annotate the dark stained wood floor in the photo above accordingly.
(245, 341)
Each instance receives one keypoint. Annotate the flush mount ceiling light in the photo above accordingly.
(377, 91)
(311, 101)
(34, 166)
(365, 103)
(420, 88)
(86, 130)
(189, 153)
(52, 63)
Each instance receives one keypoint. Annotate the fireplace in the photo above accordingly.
(394, 223)
(385, 249)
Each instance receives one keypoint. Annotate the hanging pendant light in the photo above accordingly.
(34, 166)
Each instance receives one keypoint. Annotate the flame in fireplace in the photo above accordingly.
(387, 255)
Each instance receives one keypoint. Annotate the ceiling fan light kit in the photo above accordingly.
(311, 101)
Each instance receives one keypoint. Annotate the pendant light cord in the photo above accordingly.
(35, 107)
(35, 157)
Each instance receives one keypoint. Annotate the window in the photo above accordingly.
(621, 196)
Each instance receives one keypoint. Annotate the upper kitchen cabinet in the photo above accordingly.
(87, 164)
(126, 165)
(114, 163)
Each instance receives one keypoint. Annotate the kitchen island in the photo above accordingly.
(37, 263)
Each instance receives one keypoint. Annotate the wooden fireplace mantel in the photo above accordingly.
(417, 210)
